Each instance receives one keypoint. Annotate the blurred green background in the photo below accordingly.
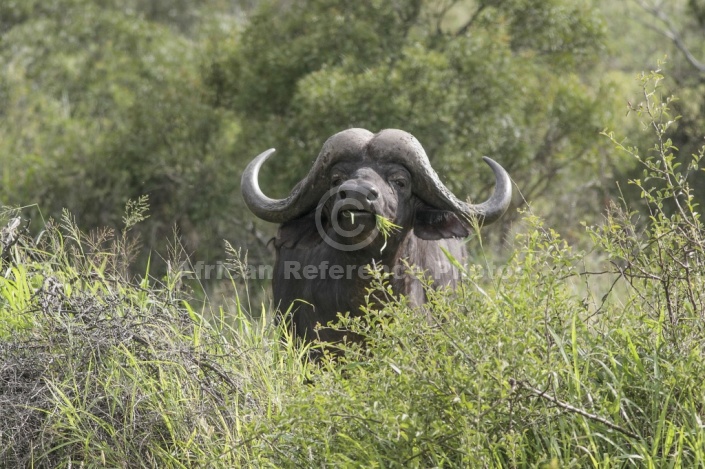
(104, 101)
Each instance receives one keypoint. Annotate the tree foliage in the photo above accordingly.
(102, 102)
(506, 79)
(672, 30)
(101, 105)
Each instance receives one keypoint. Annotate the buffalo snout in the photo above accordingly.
(357, 193)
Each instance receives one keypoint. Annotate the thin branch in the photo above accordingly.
(670, 32)
(573, 409)
(441, 15)
(464, 29)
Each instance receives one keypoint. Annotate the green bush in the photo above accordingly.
(99, 369)
(100, 104)
(558, 358)
(537, 363)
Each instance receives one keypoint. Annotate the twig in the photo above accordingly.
(573, 409)
(671, 33)
(464, 29)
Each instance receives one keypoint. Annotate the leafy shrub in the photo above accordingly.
(97, 368)
(540, 362)
(100, 105)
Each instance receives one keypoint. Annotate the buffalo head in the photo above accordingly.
(359, 174)
(332, 217)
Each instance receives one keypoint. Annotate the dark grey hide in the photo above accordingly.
(329, 234)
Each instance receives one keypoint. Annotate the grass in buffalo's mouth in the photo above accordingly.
(352, 213)
(386, 227)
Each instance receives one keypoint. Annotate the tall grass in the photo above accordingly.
(99, 369)
(516, 368)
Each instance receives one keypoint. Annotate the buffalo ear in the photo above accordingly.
(300, 233)
(433, 224)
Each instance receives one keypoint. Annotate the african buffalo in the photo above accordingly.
(330, 225)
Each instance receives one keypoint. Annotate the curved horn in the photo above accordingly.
(487, 212)
(401, 147)
(498, 203)
(264, 207)
(306, 194)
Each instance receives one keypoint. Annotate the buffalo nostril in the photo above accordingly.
(342, 195)
(372, 194)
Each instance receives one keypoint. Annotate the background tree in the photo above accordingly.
(506, 79)
(103, 102)
(644, 32)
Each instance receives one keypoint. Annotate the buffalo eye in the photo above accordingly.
(336, 181)
(399, 182)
